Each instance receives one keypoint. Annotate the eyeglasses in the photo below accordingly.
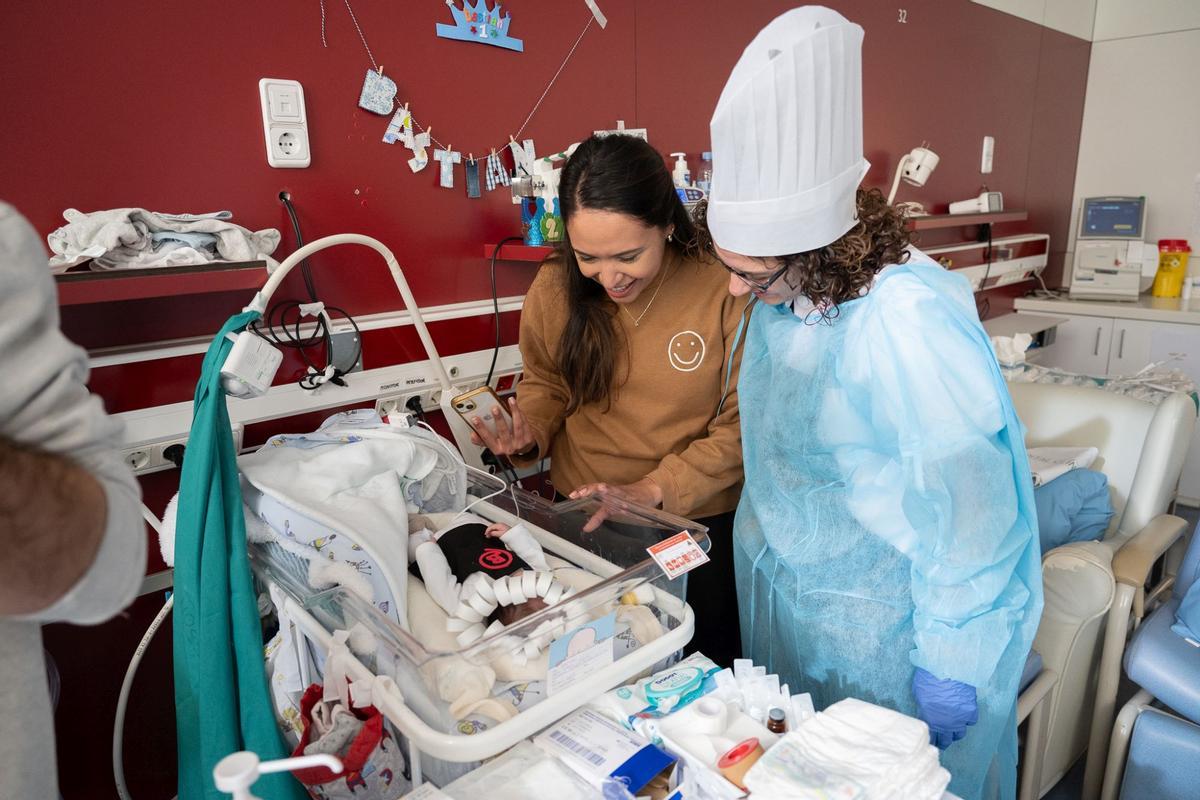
(758, 286)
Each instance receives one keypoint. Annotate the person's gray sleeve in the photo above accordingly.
(46, 404)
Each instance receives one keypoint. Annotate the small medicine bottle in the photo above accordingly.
(776, 723)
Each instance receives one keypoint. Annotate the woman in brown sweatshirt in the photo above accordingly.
(630, 374)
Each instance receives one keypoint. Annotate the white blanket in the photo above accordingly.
(361, 478)
(123, 238)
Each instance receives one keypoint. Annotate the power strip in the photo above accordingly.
(168, 424)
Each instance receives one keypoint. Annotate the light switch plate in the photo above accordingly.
(285, 123)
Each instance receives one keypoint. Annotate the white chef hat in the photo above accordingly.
(787, 137)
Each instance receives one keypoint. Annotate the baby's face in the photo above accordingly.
(507, 615)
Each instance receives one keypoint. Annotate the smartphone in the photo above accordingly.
(479, 403)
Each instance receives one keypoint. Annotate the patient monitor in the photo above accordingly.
(1110, 260)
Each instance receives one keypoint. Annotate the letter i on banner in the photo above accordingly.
(472, 168)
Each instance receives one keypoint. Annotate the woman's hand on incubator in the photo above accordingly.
(510, 439)
(644, 493)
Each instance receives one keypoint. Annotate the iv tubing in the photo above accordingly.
(127, 683)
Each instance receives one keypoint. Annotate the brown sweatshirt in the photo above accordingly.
(666, 419)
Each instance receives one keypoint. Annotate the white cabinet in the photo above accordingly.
(1180, 346)
(1130, 348)
(1081, 344)
(1107, 346)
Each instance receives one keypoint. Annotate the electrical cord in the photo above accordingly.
(414, 405)
(496, 305)
(983, 305)
(283, 331)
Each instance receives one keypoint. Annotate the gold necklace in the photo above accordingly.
(637, 320)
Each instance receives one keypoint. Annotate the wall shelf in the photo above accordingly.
(931, 221)
(519, 252)
(85, 287)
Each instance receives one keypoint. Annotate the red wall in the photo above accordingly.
(156, 105)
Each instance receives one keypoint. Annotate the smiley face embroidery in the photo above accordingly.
(685, 351)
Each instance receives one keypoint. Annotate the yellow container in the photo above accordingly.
(1172, 267)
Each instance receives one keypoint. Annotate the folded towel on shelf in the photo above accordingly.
(134, 238)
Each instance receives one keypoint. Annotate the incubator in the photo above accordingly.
(457, 703)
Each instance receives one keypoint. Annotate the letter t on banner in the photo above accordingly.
(447, 159)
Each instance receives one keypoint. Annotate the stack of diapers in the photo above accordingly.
(853, 751)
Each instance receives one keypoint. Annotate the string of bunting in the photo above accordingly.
(473, 22)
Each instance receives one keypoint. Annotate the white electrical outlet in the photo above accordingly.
(989, 149)
(285, 124)
(430, 400)
(146, 457)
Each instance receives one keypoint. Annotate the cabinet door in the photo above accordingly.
(1080, 345)
(1131, 345)
(1179, 345)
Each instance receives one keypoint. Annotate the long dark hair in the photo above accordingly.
(840, 270)
(625, 175)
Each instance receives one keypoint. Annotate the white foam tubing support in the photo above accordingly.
(263, 298)
(584, 558)
(488, 743)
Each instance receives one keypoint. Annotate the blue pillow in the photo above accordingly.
(1074, 507)
(1187, 618)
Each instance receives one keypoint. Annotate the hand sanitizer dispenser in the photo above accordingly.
(681, 174)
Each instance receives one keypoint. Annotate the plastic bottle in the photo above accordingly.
(681, 174)
(705, 182)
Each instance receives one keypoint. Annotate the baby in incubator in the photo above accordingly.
(447, 551)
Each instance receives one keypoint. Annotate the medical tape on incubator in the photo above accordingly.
(544, 579)
(529, 584)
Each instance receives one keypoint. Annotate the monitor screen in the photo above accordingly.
(1112, 218)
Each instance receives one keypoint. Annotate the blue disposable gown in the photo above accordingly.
(887, 520)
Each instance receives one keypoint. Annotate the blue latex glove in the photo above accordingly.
(945, 705)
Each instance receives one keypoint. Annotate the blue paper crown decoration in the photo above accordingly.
(474, 22)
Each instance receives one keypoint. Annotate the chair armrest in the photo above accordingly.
(1035, 693)
(1132, 563)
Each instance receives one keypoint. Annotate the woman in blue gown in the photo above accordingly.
(886, 542)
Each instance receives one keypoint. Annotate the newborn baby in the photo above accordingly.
(445, 550)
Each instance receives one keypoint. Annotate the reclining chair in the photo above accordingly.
(1095, 591)
(1163, 749)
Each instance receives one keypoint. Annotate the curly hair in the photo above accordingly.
(838, 272)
